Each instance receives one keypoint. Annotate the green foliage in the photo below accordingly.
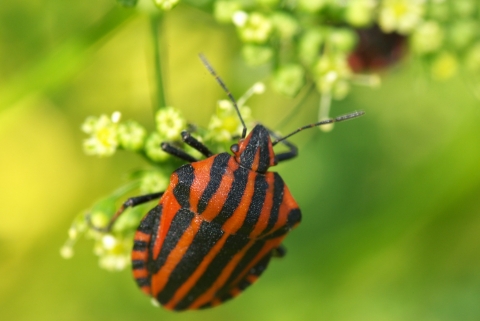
(304, 42)
(109, 134)
(390, 202)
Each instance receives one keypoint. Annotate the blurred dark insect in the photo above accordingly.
(376, 49)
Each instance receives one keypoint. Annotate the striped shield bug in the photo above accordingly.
(219, 222)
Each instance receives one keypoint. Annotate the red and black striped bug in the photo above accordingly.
(219, 222)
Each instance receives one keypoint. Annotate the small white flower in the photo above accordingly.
(109, 241)
(170, 123)
(359, 13)
(153, 181)
(225, 123)
(401, 15)
(224, 104)
(224, 11)
(114, 262)
(66, 251)
(153, 149)
(330, 70)
(240, 18)
(72, 233)
(331, 76)
(116, 116)
(289, 79)
(257, 28)
(258, 88)
(103, 135)
(131, 135)
(427, 38)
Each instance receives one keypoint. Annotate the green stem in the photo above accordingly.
(325, 103)
(125, 189)
(155, 24)
(301, 103)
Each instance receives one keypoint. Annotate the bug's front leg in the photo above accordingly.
(131, 202)
(291, 153)
(177, 152)
(191, 141)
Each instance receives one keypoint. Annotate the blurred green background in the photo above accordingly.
(390, 201)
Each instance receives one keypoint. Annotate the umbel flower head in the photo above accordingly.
(296, 39)
(106, 135)
(401, 15)
(253, 27)
(131, 135)
(103, 131)
(225, 125)
(170, 123)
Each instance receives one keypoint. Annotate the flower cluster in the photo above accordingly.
(447, 38)
(327, 44)
(316, 41)
(107, 134)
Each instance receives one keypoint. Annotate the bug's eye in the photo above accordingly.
(234, 148)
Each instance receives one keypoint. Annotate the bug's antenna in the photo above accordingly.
(224, 87)
(355, 114)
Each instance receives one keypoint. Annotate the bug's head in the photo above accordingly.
(255, 151)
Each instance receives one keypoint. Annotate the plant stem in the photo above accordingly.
(155, 24)
(324, 110)
(125, 189)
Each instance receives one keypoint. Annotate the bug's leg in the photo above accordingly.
(193, 142)
(292, 153)
(131, 202)
(280, 251)
(177, 152)
(293, 150)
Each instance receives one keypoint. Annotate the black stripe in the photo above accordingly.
(258, 142)
(155, 224)
(206, 237)
(139, 245)
(206, 305)
(143, 282)
(243, 284)
(278, 186)
(148, 224)
(181, 191)
(234, 195)
(149, 220)
(264, 159)
(217, 171)
(261, 266)
(257, 270)
(248, 155)
(256, 205)
(181, 221)
(294, 217)
(242, 265)
(278, 233)
(138, 264)
(232, 246)
(226, 295)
